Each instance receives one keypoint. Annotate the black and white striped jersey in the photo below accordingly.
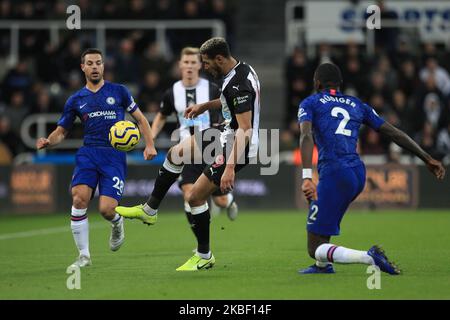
(178, 98)
(241, 93)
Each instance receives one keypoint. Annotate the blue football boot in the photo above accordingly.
(315, 269)
(382, 262)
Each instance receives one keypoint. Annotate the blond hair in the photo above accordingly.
(190, 51)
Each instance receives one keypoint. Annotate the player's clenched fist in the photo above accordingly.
(149, 153)
(42, 143)
(227, 180)
(436, 168)
(309, 189)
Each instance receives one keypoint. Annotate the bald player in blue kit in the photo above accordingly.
(99, 105)
(332, 120)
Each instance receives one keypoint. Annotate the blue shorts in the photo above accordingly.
(102, 166)
(335, 191)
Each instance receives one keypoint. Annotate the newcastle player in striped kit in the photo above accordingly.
(240, 103)
(191, 90)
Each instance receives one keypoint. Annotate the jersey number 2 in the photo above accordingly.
(314, 210)
(341, 128)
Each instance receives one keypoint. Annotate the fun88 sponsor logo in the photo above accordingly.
(108, 115)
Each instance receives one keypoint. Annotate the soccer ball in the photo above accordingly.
(124, 135)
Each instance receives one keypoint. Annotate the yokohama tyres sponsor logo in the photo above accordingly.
(109, 114)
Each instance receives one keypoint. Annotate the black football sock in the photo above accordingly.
(187, 211)
(189, 217)
(200, 225)
(190, 220)
(167, 175)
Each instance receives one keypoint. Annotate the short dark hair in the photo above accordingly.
(90, 51)
(329, 75)
(215, 46)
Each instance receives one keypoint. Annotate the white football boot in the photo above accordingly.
(82, 261)
(117, 235)
(232, 211)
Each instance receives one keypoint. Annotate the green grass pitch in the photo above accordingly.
(257, 257)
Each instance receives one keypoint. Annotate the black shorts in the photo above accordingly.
(215, 169)
(190, 174)
(215, 166)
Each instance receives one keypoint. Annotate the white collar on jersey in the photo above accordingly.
(190, 88)
(200, 79)
(238, 63)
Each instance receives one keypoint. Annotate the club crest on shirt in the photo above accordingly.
(220, 160)
(110, 101)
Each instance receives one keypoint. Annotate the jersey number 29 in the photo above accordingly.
(341, 128)
(118, 185)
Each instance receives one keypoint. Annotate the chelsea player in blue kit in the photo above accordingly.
(99, 105)
(334, 119)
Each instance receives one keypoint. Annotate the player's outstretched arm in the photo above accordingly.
(306, 150)
(197, 109)
(53, 139)
(158, 123)
(404, 141)
(144, 128)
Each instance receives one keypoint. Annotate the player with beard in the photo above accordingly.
(192, 89)
(240, 103)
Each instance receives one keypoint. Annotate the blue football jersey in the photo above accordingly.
(336, 119)
(98, 111)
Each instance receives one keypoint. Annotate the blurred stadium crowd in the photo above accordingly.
(45, 75)
(409, 86)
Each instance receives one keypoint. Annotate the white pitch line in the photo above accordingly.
(42, 232)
